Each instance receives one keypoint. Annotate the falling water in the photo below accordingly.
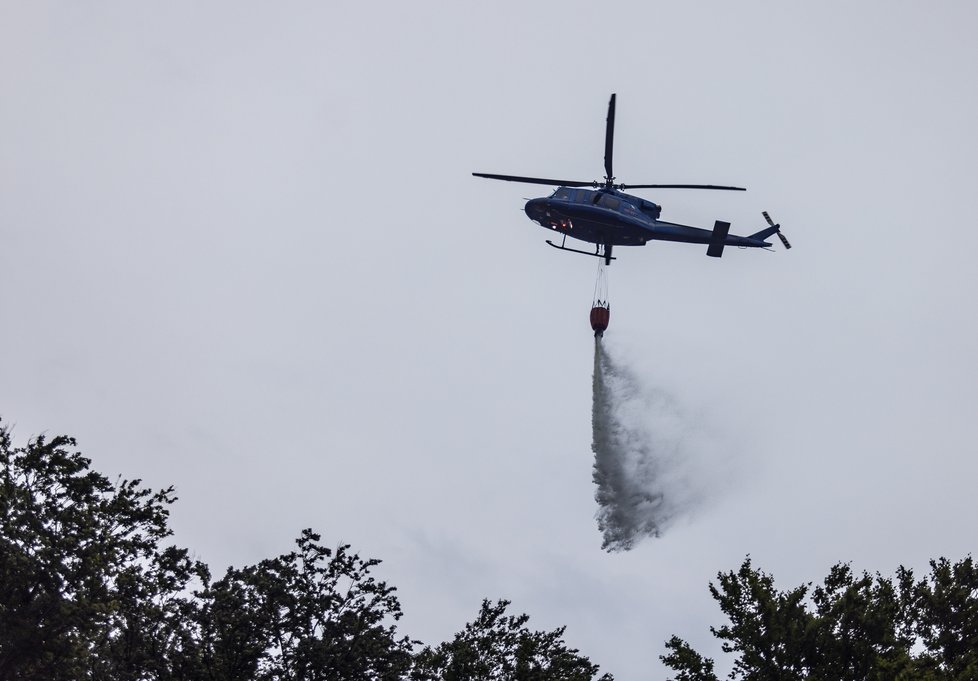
(645, 456)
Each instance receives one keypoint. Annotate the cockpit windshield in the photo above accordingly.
(562, 193)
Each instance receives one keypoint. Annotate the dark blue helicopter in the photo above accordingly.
(606, 216)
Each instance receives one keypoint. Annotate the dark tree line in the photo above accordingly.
(90, 589)
(852, 627)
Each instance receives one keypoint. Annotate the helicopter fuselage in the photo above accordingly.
(609, 217)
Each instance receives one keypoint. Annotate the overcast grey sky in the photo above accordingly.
(241, 252)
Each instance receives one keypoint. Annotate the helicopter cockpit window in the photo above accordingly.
(609, 202)
(562, 193)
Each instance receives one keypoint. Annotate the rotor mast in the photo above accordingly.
(609, 145)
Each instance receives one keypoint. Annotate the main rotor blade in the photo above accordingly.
(623, 187)
(538, 180)
(609, 139)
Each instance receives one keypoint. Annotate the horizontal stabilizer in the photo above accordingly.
(718, 239)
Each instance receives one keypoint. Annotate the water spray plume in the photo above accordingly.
(651, 464)
(626, 512)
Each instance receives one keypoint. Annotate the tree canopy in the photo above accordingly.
(850, 627)
(87, 587)
(500, 647)
(313, 613)
(90, 588)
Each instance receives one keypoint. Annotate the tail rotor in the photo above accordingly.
(770, 222)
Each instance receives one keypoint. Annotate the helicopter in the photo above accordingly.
(603, 214)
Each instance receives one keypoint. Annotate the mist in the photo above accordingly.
(653, 463)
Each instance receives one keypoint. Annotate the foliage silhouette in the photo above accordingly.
(90, 589)
(851, 627)
(497, 646)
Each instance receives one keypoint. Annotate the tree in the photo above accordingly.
(851, 627)
(946, 619)
(90, 589)
(500, 647)
(310, 614)
(85, 587)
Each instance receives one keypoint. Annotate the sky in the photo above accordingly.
(242, 253)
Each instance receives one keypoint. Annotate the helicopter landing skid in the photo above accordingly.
(562, 247)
